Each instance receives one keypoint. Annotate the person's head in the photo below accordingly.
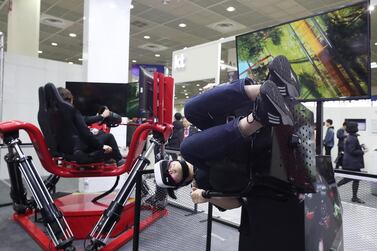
(186, 123)
(65, 94)
(173, 174)
(329, 122)
(344, 125)
(178, 116)
(352, 127)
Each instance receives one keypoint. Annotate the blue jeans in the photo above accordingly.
(208, 111)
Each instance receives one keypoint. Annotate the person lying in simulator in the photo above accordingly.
(265, 106)
(93, 142)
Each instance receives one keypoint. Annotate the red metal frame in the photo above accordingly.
(71, 170)
(162, 110)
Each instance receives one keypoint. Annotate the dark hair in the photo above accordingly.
(178, 116)
(329, 121)
(65, 94)
(352, 127)
(344, 123)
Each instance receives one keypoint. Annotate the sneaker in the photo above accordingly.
(357, 200)
(281, 73)
(121, 162)
(270, 107)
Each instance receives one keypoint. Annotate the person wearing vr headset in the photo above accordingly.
(105, 141)
(262, 105)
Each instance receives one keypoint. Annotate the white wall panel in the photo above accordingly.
(197, 63)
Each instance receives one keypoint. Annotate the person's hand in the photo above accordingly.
(196, 196)
(107, 149)
(106, 113)
(209, 86)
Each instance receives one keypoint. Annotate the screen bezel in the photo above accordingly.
(368, 95)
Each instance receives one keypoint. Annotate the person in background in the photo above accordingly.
(177, 135)
(328, 141)
(93, 142)
(188, 128)
(341, 134)
(353, 159)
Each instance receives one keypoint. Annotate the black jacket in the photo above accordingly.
(177, 135)
(353, 154)
(340, 134)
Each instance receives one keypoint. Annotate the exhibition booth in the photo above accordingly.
(289, 198)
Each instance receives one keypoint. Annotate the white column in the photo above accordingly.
(105, 59)
(23, 27)
(106, 40)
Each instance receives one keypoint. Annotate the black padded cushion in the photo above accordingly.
(44, 122)
(74, 141)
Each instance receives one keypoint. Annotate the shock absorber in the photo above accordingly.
(54, 221)
(103, 228)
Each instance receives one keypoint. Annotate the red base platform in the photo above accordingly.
(82, 214)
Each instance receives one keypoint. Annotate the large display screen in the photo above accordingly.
(329, 52)
(122, 99)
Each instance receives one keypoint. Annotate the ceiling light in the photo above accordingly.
(230, 9)
(80, 59)
(70, 62)
(221, 61)
(182, 25)
(54, 44)
(371, 7)
(187, 97)
(157, 55)
(200, 89)
(133, 61)
(40, 52)
(147, 37)
(375, 43)
(197, 84)
(186, 93)
(373, 65)
(183, 86)
(131, 6)
(185, 90)
(72, 35)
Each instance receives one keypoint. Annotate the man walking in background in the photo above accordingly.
(328, 141)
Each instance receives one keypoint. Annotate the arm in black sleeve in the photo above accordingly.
(85, 133)
(93, 119)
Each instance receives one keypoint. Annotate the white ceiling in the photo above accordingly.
(206, 21)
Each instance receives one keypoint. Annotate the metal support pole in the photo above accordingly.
(318, 125)
(135, 244)
(209, 227)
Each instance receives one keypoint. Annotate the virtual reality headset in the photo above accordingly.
(164, 179)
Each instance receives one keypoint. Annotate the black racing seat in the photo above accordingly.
(44, 123)
(66, 133)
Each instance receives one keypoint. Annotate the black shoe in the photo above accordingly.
(281, 73)
(121, 162)
(270, 107)
(357, 200)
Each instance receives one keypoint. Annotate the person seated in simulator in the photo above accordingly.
(217, 141)
(93, 142)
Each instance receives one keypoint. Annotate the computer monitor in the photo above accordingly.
(121, 98)
(329, 52)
